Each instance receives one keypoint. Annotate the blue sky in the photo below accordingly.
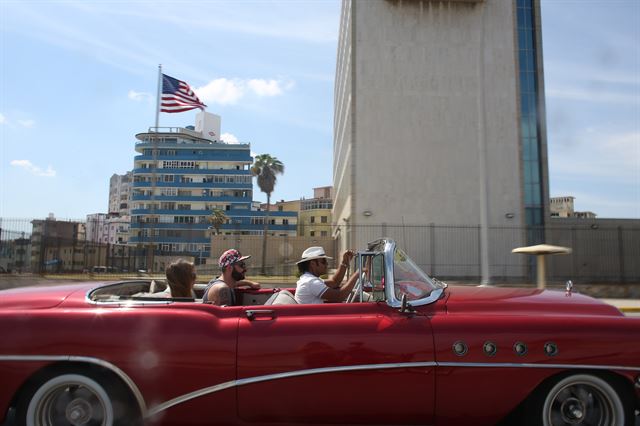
(78, 81)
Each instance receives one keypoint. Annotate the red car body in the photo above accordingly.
(471, 356)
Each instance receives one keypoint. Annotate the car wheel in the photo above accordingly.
(583, 399)
(75, 399)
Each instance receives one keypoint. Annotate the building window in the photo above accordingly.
(323, 219)
(312, 219)
(312, 233)
(323, 233)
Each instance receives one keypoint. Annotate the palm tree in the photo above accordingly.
(217, 218)
(266, 167)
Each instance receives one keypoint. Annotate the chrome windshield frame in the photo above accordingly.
(389, 287)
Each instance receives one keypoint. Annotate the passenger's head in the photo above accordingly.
(231, 261)
(313, 260)
(181, 276)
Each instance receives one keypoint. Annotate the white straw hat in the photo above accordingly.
(313, 253)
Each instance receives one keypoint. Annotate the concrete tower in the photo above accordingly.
(439, 119)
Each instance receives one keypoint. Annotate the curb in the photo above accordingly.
(629, 309)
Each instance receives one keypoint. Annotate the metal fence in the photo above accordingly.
(600, 254)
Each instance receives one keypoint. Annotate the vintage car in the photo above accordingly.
(405, 349)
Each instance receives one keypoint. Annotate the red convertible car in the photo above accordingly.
(405, 350)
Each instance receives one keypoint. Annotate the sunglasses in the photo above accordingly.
(241, 264)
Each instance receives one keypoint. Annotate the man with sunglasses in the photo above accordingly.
(312, 289)
(220, 291)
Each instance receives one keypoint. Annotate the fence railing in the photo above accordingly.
(602, 254)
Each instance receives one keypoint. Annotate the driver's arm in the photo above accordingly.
(334, 295)
(335, 281)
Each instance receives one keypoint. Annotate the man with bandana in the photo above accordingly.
(220, 291)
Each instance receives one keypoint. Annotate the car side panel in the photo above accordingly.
(348, 363)
(168, 351)
(487, 387)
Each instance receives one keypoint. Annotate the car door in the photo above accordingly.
(356, 363)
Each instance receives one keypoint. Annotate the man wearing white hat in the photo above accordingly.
(312, 289)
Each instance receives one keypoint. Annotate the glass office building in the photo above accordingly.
(532, 126)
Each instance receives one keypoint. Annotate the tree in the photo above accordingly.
(217, 218)
(265, 168)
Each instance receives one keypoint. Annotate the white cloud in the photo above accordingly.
(139, 96)
(224, 91)
(229, 138)
(221, 91)
(265, 87)
(3, 119)
(27, 123)
(33, 169)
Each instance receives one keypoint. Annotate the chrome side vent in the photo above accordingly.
(520, 348)
(490, 348)
(460, 348)
(550, 349)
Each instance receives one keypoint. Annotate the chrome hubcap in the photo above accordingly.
(581, 404)
(572, 411)
(78, 412)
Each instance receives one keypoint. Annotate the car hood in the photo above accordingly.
(525, 301)
(37, 297)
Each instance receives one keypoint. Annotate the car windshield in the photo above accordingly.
(409, 279)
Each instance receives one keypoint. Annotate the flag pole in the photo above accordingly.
(154, 151)
(159, 97)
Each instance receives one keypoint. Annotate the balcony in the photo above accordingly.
(202, 185)
(192, 199)
(206, 154)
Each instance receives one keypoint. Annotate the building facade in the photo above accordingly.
(57, 246)
(439, 118)
(108, 228)
(181, 176)
(315, 219)
(120, 194)
(563, 207)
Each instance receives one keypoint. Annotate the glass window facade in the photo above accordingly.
(530, 122)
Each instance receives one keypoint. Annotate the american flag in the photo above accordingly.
(177, 96)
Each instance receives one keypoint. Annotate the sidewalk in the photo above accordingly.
(625, 305)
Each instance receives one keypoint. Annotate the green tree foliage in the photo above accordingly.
(266, 168)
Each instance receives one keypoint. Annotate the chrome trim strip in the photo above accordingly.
(526, 365)
(189, 396)
(241, 382)
(72, 358)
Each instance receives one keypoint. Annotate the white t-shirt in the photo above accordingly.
(310, 289)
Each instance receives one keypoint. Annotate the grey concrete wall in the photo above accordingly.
(433, 82)
(424, 91)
